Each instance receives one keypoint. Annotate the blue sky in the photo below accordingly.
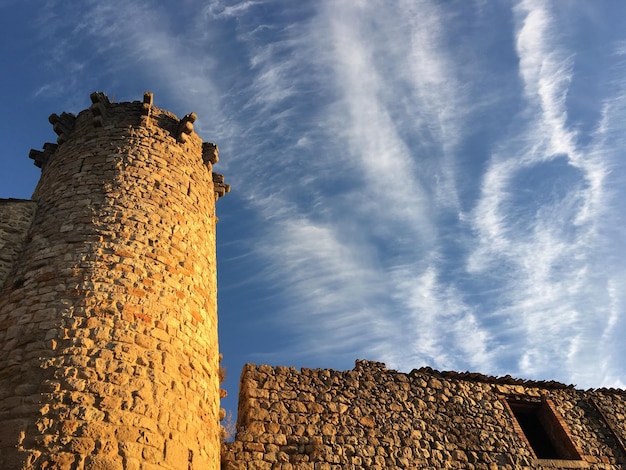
(414, 182)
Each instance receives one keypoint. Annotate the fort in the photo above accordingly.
(109, 355)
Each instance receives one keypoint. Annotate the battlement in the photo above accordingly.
(131, 116)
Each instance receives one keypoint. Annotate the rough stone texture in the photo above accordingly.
(108, 320)
(374, 418)
(15, 218)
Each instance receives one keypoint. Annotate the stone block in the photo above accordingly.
(177, 455)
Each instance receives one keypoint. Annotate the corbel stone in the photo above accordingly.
(41, 157)
(62, 125)
(185, 127)
(210, 154)
(146, 109)
(220, 187)
(98, 108)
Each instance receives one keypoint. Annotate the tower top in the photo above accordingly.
(103, 113)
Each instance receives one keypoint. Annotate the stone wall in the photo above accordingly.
(15, 218)
(374, 418)
(108, 322)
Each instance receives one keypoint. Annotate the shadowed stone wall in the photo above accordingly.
(15, 219)
(108, 320)
(374, 418)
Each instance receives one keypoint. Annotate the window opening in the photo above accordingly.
(543, 430)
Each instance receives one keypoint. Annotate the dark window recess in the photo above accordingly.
(543, 431)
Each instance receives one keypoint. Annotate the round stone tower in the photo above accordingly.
(108, 319)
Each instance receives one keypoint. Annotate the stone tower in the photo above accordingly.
(108, 317)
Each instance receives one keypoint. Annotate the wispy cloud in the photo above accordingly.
(358, 267)
(544, 247)
(218, 10)
(407, 199)
(104, 42)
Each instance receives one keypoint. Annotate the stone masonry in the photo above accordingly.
(108, 311)
(15, 219)
(374, 418)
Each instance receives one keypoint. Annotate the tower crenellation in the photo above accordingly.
(108, 320)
